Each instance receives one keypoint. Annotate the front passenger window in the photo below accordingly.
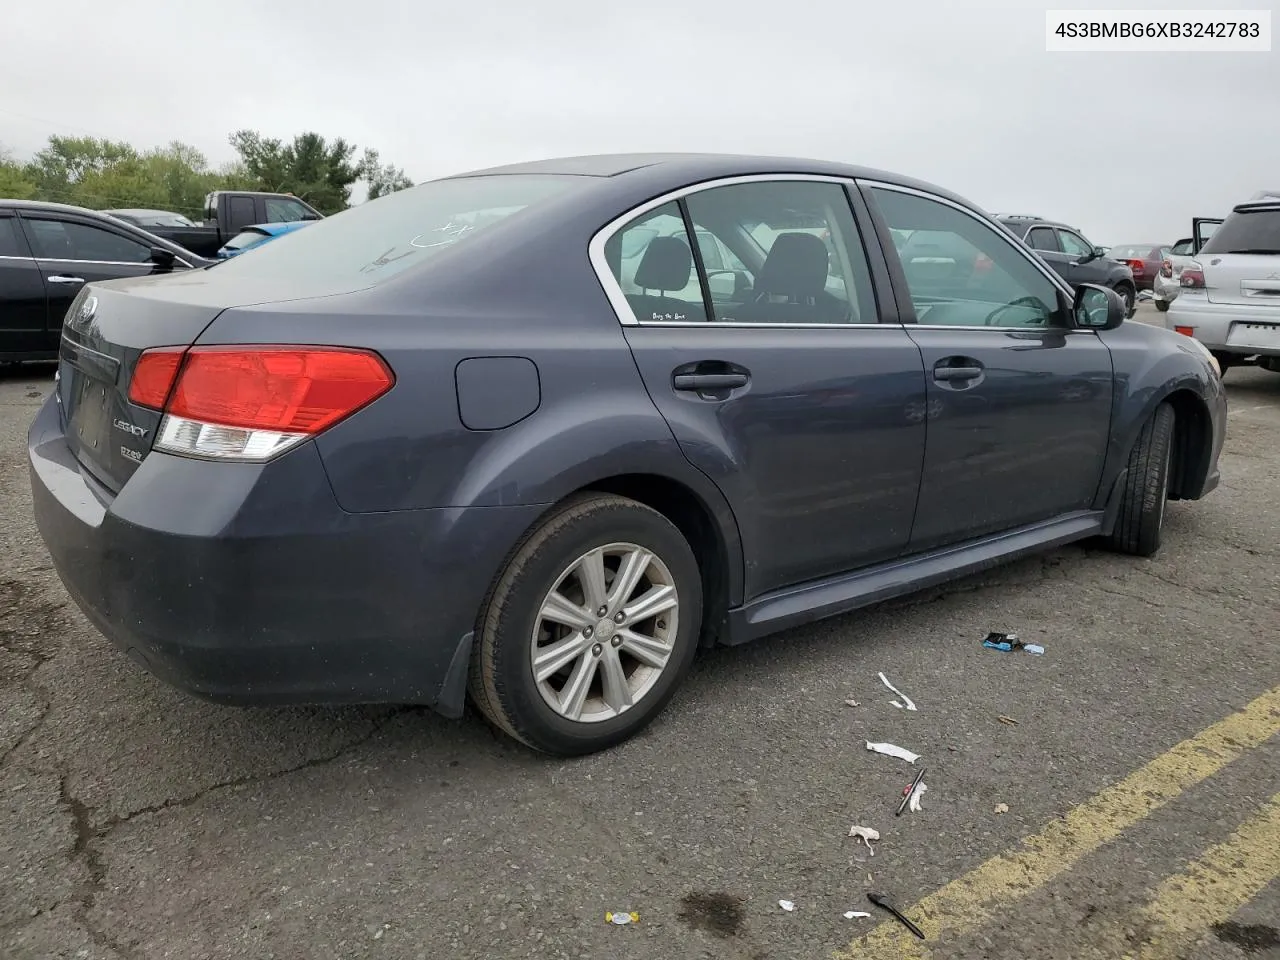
(1073, 245)
(68, 240)
(969, 274)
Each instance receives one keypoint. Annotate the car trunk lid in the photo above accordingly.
(105, 332)
(1246, 279)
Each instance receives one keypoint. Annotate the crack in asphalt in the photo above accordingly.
(87, 840)
(46, 704)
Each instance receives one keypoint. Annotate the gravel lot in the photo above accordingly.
(136, 822)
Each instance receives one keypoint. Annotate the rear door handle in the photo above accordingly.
(956, 373)
(708, 381)
(58, 278)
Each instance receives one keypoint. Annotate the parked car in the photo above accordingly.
(1073, 257)
(148, 219)
(49, 251)
(228, 212)
(1143, 259)
(434, 454)
(1166, 284)
(1229, 296)
(256, 236)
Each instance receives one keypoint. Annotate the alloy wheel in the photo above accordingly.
(604, 632)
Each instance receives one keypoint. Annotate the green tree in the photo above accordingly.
(63, 165)
(14, 183)
(382, 178)
(319, 171)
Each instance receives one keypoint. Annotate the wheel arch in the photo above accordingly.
(1192, 443)
(719, 556)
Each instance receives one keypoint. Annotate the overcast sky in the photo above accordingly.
(1126, 146)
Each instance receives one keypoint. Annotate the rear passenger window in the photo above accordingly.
(798, 257)
(9, 244)
(1042, 238)
(652, 260)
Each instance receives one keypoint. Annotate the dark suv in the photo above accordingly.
(1073, 257)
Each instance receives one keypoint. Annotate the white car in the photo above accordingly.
(1165, 287)
(1229, 294)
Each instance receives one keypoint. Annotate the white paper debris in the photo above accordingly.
(905, 699)
(1001, 808)
(851, 914)
(786, 905)
(913, 804)
(866, 835)
(892, 750)
(851, 703)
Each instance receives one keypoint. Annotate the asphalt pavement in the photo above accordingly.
(1141, 778)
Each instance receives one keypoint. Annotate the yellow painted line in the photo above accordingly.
(1212, 888)
(970, 900)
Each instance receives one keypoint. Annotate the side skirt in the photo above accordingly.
(794, 606)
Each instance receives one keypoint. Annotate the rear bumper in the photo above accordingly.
(1228, 328)
(1165, 288)
(249, 584)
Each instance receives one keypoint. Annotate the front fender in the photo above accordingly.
(1151, 365)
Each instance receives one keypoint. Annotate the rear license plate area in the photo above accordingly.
(1262, 335)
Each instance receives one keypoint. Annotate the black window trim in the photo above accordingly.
(622, 308)
(907, 307)
(92, 222)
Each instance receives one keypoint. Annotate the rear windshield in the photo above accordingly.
(246, 239)
(1251, 231)
(1131, 252)
(372, 242)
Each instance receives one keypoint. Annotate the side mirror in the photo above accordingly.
(1097, 308)
(162, 257)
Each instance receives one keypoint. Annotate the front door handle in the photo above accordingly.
(709, 381)
(956, 373)
(59, 278)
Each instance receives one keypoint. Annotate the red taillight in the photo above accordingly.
(1192, 276)
(1186, 331)
(153, 376)
(1137, 266)
(982, 264)
(1166, 268)
(252, 403)
(280, 388)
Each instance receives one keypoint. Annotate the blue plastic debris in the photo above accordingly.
(1007, 642)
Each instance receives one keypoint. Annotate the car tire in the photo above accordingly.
(1162, 306)
(550, 570)
(1145, 493)
(1130, 299)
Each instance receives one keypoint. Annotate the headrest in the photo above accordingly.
(795, 267)
(666, 265)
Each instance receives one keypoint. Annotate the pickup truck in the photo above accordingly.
(227, 212)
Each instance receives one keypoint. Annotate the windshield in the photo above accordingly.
(1247, 231)
(370, 243)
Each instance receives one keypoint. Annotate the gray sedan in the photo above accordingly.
(510, 434)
